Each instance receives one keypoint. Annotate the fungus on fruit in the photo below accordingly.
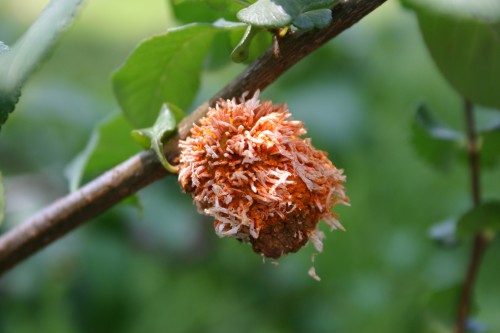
(247, 165)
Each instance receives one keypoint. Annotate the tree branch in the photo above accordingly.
(480, 241)
(104, 192)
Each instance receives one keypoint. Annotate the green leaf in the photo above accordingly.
(319, 18)
(154, 137)
(249, 49)
(435, 143)
(165, 69)
(189, 11)
(463, 38)
(2, 199)
(8, 101)
(485, 218)
(304, 14)
(108, 146)
(242, 50)
(484, 9)
(490, 146)
(440, 309)
(20, 61)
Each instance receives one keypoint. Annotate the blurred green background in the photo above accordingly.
(163, 269)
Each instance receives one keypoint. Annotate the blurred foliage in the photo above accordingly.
(482, 219)
(463, 38)
(109, 144)
(436, 143)
(2, 199)
(490, 145)
(18, 62)
(164, 269)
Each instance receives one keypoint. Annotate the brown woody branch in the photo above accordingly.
(104, 192)
(480, 240)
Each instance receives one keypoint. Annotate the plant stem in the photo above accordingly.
(59, 218)
(474, 162)
(480, 241)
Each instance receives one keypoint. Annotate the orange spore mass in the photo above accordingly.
(248, 167)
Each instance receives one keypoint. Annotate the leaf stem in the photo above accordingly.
(159, 151)
(480, 240)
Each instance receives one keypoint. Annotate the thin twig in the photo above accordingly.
(480, 241)
(474, 157)
(104, 192)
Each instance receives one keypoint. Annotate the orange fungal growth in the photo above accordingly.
(247, 165)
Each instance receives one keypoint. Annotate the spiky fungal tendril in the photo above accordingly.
(248, 167)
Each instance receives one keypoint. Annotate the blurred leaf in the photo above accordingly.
(134, 201)
(108, 146)
(490, 146)
(441, 309)
(463, 38)
(164, 69)
(484, 9)
(220, 48)
(189, 11)
(2, 199)
(8, 101)
(444, 233)
(475, 326)
(3, 47)
(304, 14)
(485, 218)
(154, 137)
(441, 306)
(436, 143)
(19, 62)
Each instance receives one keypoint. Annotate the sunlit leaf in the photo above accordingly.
(19, 62)
(304, 14)
(485, 218)
(108, 146)
(165, 69)
(2, 199)
(155, 136)
(463, 38)
(435, 143)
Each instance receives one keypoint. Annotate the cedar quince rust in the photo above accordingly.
(248, 166)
